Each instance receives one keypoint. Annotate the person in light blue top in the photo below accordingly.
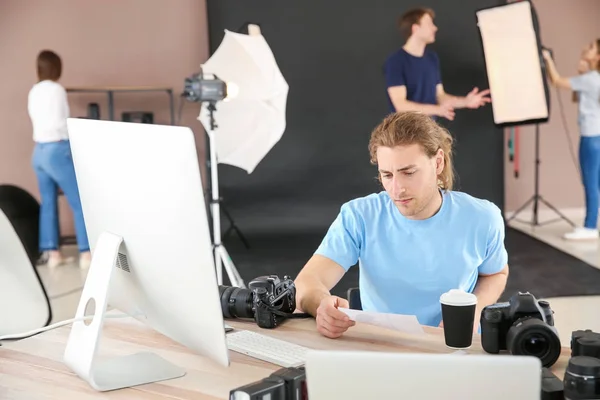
(414, 241)
(586, 87)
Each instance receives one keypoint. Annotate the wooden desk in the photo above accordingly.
(33, 369)
(110, 90)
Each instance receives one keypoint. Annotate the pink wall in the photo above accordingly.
(565, 26)
(117, 43)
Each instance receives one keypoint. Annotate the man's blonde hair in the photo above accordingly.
(406, 128)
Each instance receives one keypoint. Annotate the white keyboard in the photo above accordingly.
(266, 348)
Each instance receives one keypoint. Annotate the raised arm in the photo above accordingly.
(398, 96)
(474, 99)
(553, 75)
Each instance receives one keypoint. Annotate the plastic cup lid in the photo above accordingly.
(458, 297)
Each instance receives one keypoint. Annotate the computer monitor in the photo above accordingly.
(146, 219)
(332, 375)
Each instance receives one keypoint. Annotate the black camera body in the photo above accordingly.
(585, 343)
(523, 326)
(283, 384)
(268, 300)
(552, 387)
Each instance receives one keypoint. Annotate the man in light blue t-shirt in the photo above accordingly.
(414, 241)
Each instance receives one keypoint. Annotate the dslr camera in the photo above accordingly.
(582, 375)
(268, 300)
(523, 326)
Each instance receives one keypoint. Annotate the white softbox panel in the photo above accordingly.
(515, 70)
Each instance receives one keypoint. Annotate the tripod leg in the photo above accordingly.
(556, 211)
(521, 209)
(232, 272)
(234, 227)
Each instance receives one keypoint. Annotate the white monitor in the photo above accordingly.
(332, 375)
(145, 214)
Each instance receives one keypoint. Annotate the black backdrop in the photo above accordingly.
(331, 54)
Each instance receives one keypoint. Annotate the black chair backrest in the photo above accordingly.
(354, 299)
(23, 211)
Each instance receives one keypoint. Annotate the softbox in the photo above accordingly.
(513, 59)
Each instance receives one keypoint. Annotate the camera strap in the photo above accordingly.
(275, 311)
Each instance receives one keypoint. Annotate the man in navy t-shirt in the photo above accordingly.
(412, 74)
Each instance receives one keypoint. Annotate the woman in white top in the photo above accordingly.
(48, 109)
(587, 89)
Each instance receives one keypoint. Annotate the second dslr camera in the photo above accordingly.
(523, 326)
(268, 300)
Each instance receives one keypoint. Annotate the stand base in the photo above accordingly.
(534, 218)
(81, 353)
(233, 274)
(133, 370)
(234, 228)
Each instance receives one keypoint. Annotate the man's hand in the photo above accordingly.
(446, 110)
(476, 99)
(331, 322)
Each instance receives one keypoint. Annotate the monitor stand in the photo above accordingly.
(81, 353)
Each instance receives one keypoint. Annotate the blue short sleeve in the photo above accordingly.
(343, 240)
(581, 82)
(394, 72)
(438, 76)
(496, 256)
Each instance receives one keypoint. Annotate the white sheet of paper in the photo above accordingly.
(402, 323)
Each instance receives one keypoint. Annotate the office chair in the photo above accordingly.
(24, 303)
(353, 297)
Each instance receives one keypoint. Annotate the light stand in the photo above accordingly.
(536, 198)
(221, 256)
(232, 225)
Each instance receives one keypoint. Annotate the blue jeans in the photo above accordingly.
(589, 159)
(54, 168)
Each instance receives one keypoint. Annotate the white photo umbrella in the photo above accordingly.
(250, 124)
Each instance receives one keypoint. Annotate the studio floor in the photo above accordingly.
(551, 228)
(64, 283)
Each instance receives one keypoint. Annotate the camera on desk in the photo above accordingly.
(523, 326)
(283, 384)
(582, 375)
(268, 300)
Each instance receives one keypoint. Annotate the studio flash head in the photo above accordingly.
(200, 88)
(283, 384)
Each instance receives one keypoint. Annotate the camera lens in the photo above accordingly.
(236, 302)
(533, 337)
(582, 378)
(535, 345)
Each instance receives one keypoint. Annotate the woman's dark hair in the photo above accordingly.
(598, 48)
(49, 66)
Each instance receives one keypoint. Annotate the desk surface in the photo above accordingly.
(116, 88)
(33, 367)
